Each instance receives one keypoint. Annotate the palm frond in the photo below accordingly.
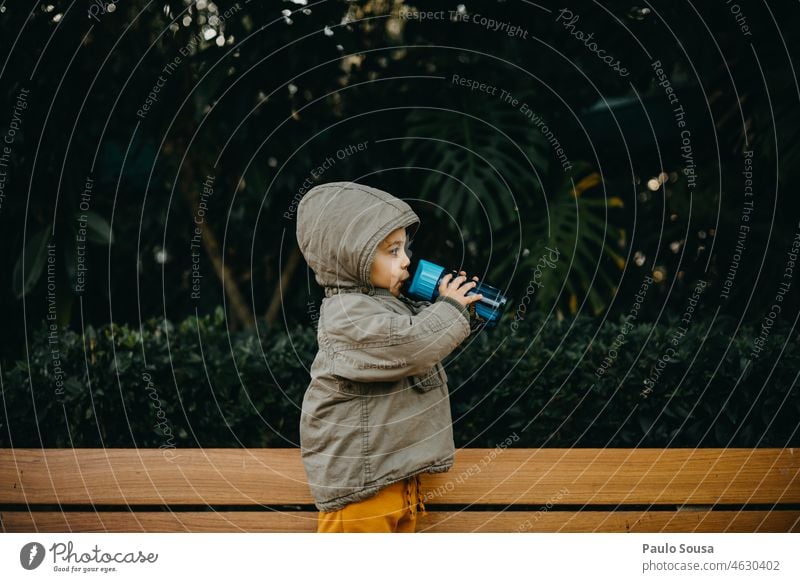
(478, 166)
(575, 229)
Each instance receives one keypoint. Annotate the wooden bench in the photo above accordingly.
(488, 490)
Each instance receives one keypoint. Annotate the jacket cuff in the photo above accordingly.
(455, 304)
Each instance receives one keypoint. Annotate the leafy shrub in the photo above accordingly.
(193, 384)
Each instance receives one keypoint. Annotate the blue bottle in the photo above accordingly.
(424, 285)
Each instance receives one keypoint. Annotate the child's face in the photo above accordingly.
(389, 269)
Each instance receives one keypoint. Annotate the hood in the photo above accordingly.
(339, 227)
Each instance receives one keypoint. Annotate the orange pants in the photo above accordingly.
(393, 509)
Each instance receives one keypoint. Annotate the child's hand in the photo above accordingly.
(454, 289)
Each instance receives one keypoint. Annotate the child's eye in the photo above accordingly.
(395, 251)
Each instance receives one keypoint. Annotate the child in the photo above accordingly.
(377, 411)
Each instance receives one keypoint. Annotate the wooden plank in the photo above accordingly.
(464, 521)
(149, 476)
(619, 476)
(611, 522)
(159, 521)
(484, 476)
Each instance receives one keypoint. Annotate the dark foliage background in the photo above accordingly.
(257, 95)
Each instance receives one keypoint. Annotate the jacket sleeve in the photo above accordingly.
(368, 343)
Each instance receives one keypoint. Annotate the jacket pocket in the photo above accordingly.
(433, 378)
(349, 387)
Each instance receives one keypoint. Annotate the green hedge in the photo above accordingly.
(193, 384)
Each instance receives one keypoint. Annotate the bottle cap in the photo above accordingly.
(426, 278)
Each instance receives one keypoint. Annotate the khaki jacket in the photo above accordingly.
(377, 409)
